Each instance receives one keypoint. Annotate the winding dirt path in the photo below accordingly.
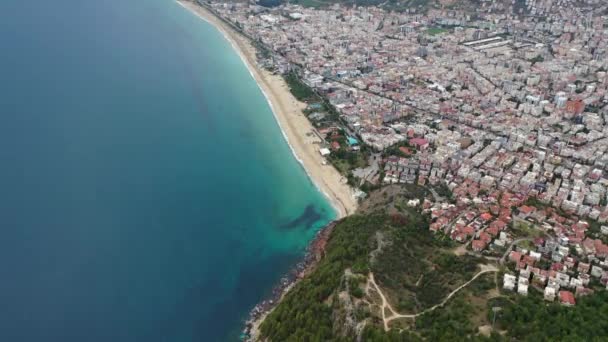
(386, 319)
(385, 304)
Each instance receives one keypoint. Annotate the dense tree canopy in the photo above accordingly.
(532, 319)
(304, 314)
(311, 311)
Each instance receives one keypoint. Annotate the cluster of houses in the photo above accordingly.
(336, 139)
(506, 111)
(560, 259)
(401, 170)
(525, 113)
(563, 276)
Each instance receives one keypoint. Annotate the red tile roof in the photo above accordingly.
(485, 237)
(524, 209)
(567, 298)
(515, 256)
(419, 141)
(486, 216)
(492, 231)
(478, 245)
(405, 150)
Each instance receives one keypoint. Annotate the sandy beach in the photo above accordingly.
(288, 111)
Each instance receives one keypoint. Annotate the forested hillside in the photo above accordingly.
(385, 277)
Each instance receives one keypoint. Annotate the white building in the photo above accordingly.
(508, 282)
(549, 293)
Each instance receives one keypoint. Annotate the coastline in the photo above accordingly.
(314, 253)
(295, 127)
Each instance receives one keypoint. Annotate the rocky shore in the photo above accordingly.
(314, 253)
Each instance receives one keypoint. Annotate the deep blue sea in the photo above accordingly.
(146, 192)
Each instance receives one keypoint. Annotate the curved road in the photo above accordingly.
(395, 315)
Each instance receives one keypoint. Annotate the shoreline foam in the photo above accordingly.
(294, 130)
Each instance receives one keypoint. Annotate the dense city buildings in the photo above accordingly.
(505, 107)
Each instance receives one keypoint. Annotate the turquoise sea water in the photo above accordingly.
(146, 192)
